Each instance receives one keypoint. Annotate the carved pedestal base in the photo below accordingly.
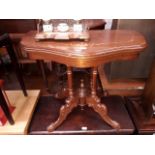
(82, 99)
(63, 93)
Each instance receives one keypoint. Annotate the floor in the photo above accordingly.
(80, 121)
(23, 110)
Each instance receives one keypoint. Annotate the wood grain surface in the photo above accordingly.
(104, 46)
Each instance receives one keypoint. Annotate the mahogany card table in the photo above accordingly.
(103, 46)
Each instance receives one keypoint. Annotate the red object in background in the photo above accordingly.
(3, 118)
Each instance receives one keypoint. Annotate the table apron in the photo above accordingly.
(82, 62)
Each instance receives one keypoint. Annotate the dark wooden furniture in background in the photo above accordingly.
(122, 87)
(128, 77)
(16, 29)
(17, 25)
(95, 24)
(6, 41)
(142, 108)
(104, 46)
(149, 94)
(139, 68)
(4, 106)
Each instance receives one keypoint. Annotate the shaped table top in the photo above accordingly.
(103, 46)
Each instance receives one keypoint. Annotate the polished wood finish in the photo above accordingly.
(17, 27)
(104, 46)
(71, 103)
(93, 101)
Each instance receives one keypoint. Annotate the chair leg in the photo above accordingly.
(4, 69)
(20, 79)
(16, 67)
(5, 108)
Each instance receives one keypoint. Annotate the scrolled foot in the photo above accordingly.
(51, 127)
(71, 103)
(101, 109)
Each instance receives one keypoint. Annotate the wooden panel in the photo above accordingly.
(23, 112)
(139, 68)
(143, 125)
(17, 25)
(149, 93)
(141, 108)
(123, 87)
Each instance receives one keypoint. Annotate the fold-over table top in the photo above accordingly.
(103, 46)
